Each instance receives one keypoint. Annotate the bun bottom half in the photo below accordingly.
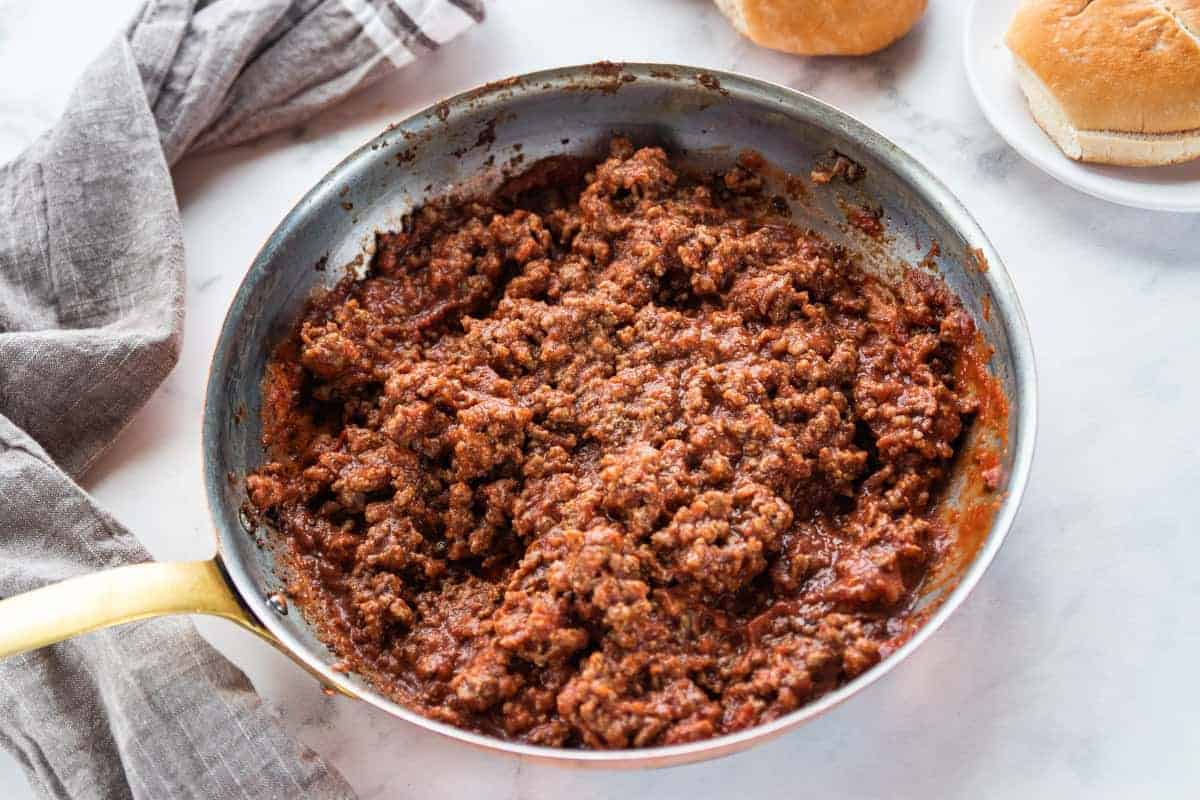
(1117, 148)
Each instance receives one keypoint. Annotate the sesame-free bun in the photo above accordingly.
(1112, 81)
(823, 27)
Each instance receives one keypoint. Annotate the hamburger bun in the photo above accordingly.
(823, 27)
(1112, 81)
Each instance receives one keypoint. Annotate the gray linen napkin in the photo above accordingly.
(91, 305)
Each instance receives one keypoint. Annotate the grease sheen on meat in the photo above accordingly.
(621, 461)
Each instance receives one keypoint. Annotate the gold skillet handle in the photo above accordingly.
(124, 594)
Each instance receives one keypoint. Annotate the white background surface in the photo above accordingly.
(1070, 672)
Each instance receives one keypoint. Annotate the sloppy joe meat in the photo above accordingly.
(614, 461)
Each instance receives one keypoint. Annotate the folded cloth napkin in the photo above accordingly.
(91, 304)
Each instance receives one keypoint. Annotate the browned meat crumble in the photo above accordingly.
(614, 462)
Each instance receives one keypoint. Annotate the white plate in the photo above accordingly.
(993, 79)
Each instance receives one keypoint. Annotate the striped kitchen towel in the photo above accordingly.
(91, 310)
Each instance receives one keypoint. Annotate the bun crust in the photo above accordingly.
(823, 27)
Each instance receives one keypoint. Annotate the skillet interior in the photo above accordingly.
(469, 144)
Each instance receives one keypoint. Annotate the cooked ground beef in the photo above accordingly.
(613, 460)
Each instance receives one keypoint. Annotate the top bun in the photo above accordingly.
(823, 27)
(1113, 81)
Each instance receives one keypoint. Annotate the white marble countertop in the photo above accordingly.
(1071, 670)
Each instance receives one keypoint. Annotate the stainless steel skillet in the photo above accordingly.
(470, 143)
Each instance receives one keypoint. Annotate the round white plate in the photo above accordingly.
(993, 79)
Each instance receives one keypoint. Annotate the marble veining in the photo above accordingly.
(1069, 672)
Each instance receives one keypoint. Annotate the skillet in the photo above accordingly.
(470, 144)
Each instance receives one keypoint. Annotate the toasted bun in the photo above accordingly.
(1113, 81)
(823, 27)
